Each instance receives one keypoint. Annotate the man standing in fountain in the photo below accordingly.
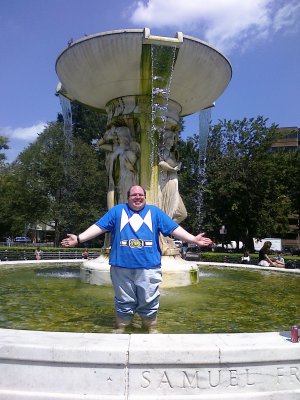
(135, 256)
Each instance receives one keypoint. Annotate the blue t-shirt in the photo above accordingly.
(135, 235)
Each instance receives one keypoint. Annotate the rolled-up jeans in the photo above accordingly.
(136, 291)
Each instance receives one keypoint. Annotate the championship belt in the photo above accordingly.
(136, 243)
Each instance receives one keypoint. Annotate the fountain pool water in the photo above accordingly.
(41, 356)
(52, 298)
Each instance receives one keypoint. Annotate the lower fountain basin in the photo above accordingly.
(44, 365)
(51, 297)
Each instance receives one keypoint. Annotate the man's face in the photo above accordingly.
(136, 199)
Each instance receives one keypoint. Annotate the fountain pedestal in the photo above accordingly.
(176, 271)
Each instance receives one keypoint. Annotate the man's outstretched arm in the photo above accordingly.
(185, 236)
(90, 233)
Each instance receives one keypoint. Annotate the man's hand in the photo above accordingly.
(201, 240)
(185, 236)
(70, 241)
(91, 232)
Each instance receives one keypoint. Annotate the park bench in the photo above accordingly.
(67, 255)
(13, 255)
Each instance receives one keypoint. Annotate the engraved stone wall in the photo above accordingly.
(59, 365)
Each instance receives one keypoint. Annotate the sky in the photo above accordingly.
(261, 39)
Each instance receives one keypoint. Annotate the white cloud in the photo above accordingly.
(20, 138)
(226, 24)
(26, 134)
(286, 17)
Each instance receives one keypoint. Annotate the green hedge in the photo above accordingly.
(236, 257)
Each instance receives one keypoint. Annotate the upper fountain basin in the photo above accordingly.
(99, 68)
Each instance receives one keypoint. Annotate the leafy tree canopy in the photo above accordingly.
(246, 182)
(3, 146)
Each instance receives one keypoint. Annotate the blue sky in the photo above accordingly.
(260, 38)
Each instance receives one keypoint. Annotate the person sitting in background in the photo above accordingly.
(246, 258)
(38, 254)
(280, 259)
(263, 257)
(85, 254)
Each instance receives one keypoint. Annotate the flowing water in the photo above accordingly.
(162, 68)
(53, 298)
(204, 123)
(68, 136)
(67, 116)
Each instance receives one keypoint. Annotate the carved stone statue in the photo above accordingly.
(170, 200)
(122, 154)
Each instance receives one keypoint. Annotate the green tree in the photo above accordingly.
(4, 224)
(3, 146)
(291, 165)
(58, 185)
(246, 189)
(6, 216)
(56, 180)
(189, 183)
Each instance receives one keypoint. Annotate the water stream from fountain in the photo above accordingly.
(204, 123)
(67, 116)
(68, 133)
(162, 68)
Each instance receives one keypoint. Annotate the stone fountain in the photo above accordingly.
(144, 84)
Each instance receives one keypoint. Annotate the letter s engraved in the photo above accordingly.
(146, 379)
